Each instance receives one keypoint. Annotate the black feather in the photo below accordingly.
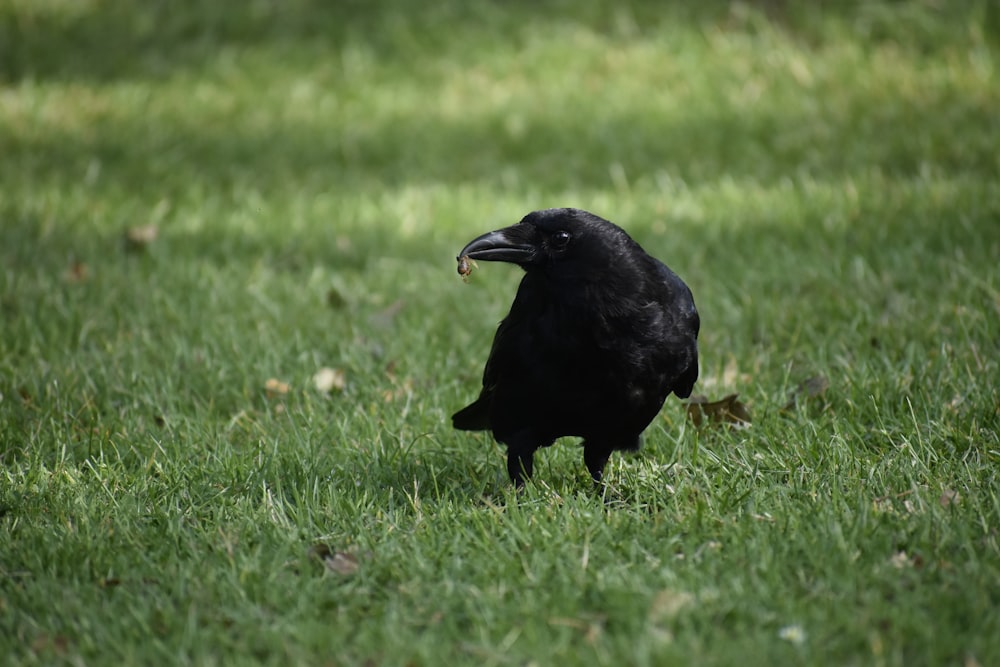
(599, 334)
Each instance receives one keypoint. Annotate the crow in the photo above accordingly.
(599, 334)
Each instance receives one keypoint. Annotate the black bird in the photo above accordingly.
(598, 336)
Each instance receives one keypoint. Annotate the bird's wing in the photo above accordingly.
(503, 355)
(682, 332)
(476, 415)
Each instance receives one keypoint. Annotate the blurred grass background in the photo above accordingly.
(823, 175)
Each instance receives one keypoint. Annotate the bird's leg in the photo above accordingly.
(520, 463)
(596, 457)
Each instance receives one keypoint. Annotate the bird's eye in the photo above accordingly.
(560, 239)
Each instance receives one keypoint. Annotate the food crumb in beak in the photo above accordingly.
(465, 267)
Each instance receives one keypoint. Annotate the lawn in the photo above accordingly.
(203, 205)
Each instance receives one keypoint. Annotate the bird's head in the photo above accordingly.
(569, 240)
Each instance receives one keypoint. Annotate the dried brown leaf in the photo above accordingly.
(77, 273)
(275, 387)
(139, 237)
(55, 643)
(328, 380)
(950, 497)
(344, 563)
(901, 559)
(727, 410)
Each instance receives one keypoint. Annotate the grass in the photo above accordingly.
(826, 182)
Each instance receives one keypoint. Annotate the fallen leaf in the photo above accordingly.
(811, 388)
(901, 560)
(76, 273)
(275, 387)
(950, 497)
(344, 563)
(793, 633)
(327, 380)
(726, 410)
(139, 237)
(55, 643)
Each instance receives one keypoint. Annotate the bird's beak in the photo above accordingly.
(512, 244)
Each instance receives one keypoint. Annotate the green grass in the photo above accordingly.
(826, 182)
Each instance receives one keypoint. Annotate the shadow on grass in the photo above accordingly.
(167, 159)
(554, 152)
(123, 39)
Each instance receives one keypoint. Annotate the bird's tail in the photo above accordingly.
(473, 417)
